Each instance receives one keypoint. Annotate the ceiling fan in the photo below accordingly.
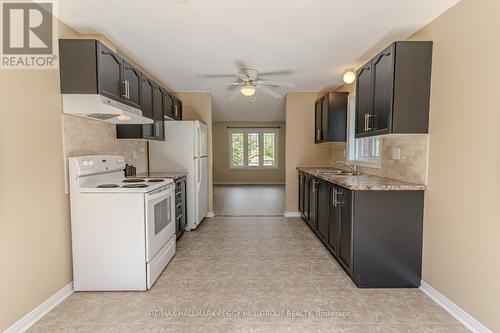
(249, 83)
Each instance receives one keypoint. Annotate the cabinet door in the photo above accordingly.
(317, 120)
(110, 67)
(322, 210)
(147, 106)
(168, 113)
(307, 181)
(383, 88)
(363, 99)
(313, 204)
(325, 113)
(132, 85)
(333, 221)
(344, 204)
(177, 108)
(158, 113)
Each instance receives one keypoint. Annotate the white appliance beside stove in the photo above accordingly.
(123, 230)
(185, 148)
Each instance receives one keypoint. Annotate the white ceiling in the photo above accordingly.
(182, 41)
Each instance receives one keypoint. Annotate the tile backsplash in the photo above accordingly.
(93, 137)
(410, 167)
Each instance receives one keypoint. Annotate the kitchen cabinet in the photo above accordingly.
(393, 90)
(323, 201)
(146, 131)
(313, 203)
(304, 195)
(333, 222)
(343, 210)
(159, 128)
(89, 67)
(168, 106)
(376, 236)
(331, 118)
(302, 184)
(177, 108)
(110, 73)
(132, 85)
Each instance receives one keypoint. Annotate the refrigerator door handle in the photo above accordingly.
(198, 141)
(199, 173)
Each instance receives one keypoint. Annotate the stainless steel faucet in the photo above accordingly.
(353, 167)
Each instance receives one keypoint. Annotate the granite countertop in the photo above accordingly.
(171, 174)
(362, 182)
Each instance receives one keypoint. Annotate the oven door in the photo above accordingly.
(160, 219)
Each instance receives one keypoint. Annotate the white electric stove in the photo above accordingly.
(123, 230)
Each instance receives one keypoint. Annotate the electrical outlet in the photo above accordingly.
(134, 155)
(396, 153)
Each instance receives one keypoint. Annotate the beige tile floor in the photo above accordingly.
(249, 200)
(251, 274)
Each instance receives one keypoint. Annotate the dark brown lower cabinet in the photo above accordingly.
(323, 201)
(376, 236)
(313, 203)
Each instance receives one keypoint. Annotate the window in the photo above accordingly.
(363, 151)
(253, 147)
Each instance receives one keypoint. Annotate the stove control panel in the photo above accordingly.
(94, 164)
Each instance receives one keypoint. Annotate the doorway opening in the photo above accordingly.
(249, 170)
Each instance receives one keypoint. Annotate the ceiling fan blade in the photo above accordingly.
(215, 76)
(243, 77)
(234, 95)
(276, 83)
(222, 85)
(276, 73)
(269, 91)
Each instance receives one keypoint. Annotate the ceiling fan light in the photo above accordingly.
(349, 76)
(247, 90)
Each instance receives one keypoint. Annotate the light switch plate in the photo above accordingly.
(396, 153)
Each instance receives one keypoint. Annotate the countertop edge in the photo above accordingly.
(344, 181)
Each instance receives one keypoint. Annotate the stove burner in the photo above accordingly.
(135, 186)
(134, 180)
(107, 186)
(156, 180)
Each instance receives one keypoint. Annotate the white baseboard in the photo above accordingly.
(31, 318)
(210, 214)
(466, 319)
(292, 214)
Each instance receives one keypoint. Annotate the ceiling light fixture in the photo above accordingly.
(247, 90)
(349, 76)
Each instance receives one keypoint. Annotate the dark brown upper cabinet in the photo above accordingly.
(110, 73)
(132, 85)
(168, 106)
(393, 90)
(89, 67)
(331, 118)
(176, 108)
(159, 128)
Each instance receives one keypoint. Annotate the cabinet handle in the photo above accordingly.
(367, 122)
(318, 135)
(128, 89)
(334, 197)
(124, 88)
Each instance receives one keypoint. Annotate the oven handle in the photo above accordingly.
(161, 194)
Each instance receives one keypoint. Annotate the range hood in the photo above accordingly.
(99, 107)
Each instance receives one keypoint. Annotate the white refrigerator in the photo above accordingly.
(185, 149)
